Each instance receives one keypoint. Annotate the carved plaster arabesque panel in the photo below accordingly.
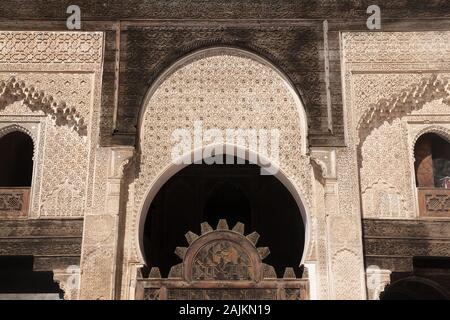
(16, 117)
(40, 47)
(223, 90)
(387, 75)
(395, 134)
(393, 72)
(318, 270)
(385, 157)
(367, 48)
(65, 66)
(343, 286)
(62, 182)
(101, 229)
(12, 90)
(382, 200)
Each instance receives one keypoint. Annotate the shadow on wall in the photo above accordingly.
(18, 280)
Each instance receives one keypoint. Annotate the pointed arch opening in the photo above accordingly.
(432, 161)
(235, 192)
(16, 162)
(207, 94)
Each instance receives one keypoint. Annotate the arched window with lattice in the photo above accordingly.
(16, 171)
(432, 171)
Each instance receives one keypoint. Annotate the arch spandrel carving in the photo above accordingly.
(224, 88)
(404, 103)
(13, 90)
(382, 200)
(222, 264)
(385, 125)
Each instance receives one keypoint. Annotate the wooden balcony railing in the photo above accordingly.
(434, 202)
(14, 202)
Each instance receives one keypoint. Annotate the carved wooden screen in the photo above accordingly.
(14, 203)
(434, 202)
(222, 264)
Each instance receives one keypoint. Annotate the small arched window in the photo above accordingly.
(16, 170)
(16, 161)
(432, 166)
(432, 161)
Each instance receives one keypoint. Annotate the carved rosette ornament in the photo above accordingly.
(222, 264)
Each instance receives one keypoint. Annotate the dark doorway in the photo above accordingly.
(429, 280)
(236, 192)
(16, 162)
(414, 288)
(18, 277)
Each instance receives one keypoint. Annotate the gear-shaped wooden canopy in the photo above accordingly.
(222, 263)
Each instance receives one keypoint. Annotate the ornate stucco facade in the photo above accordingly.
(101, 105)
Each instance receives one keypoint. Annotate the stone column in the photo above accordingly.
(344, 230)
(340, 267)
(101, 231)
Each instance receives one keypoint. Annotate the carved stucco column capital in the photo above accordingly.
(324, 160)
(69, 281)
(119, 159)
(377, 280)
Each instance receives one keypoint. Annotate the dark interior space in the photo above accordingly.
(429, 280)
(431, 263)
(414, 288)
(236, 192)
(17, 276)
(16, 162)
